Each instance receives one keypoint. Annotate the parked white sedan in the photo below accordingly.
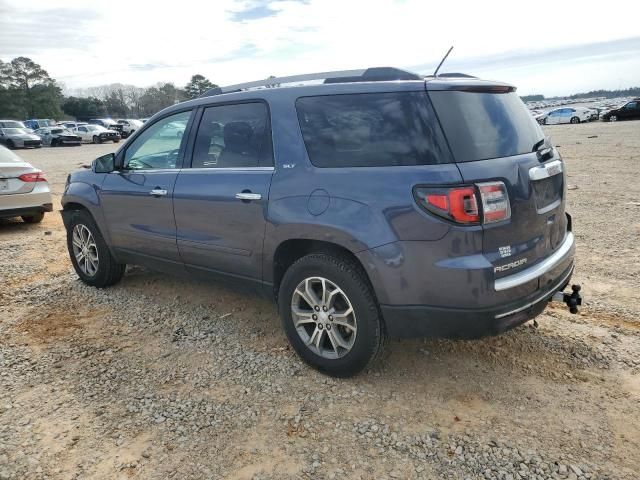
(24, 191)
(96, 134)
(565, 115)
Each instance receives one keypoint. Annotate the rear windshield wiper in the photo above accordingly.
(538, 144)
(543, 153)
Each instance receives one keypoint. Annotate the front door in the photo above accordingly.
(630, 111)
(220, 203)
(137, 200)
(554, 117)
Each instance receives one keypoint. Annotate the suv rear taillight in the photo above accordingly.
(32, 177)
(461, 204)
(458, 204)
(495, 202)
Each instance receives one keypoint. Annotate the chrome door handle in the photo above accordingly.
(158, 192)
(248, 196)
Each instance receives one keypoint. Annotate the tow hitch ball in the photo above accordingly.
(572, 299)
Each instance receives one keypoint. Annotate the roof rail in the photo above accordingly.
(374, 74)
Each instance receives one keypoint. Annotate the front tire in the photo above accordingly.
(613, 118)
(575, 120)
(90, 255)
(35, 218)
(11, 145)
(330, 314)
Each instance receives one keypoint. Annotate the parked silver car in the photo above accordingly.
(24, 191)
(19, 138)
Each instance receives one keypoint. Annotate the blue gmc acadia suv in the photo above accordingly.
(373, 203)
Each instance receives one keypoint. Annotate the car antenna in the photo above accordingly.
(435, 74)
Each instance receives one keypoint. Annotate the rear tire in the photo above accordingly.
(575, 120)
(90, 255)
(35, 218)
(347, 342)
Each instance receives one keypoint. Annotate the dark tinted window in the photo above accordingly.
(233, 136)
(485, 125)
(371, 130)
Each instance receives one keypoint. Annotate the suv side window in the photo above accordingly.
(234, 136)
(371, 130)
(159, 145)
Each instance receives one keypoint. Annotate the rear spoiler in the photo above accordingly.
(467, 85)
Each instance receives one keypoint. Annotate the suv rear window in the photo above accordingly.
(480, 126)
(371, 130)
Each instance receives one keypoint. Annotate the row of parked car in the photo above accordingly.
(38, 132)
(629, 110)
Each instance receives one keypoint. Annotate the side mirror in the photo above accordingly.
(105, 163)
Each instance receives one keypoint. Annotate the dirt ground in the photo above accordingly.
(170, 378)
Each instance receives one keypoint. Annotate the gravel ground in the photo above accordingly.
(171, 378)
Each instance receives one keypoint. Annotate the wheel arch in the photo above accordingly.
(291, 250)
(82, 196)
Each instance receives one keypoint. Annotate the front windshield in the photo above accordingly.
(13, 131)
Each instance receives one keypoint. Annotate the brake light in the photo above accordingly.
(33, 177)
(461, 204)
(458, 204)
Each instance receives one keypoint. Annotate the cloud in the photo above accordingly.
(245, 51)
(147, 67)
(232, 41)
(253, 13)
(611, 50)
(26, 32)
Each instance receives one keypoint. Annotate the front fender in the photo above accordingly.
(86, 196)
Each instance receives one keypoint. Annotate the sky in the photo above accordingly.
(551, 47)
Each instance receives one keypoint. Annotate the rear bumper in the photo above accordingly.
(38, 200)
(428, 321)
(18, 212)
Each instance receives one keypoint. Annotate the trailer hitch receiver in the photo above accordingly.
(573, 299)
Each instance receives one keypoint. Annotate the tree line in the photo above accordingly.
(27, 91)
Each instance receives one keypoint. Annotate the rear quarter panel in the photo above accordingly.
(358, 208)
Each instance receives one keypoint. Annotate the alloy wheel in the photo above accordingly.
(323, 317)
(85, 250)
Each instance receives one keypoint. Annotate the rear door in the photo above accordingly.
(493, 138)
(220, 203)
(83, 133)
